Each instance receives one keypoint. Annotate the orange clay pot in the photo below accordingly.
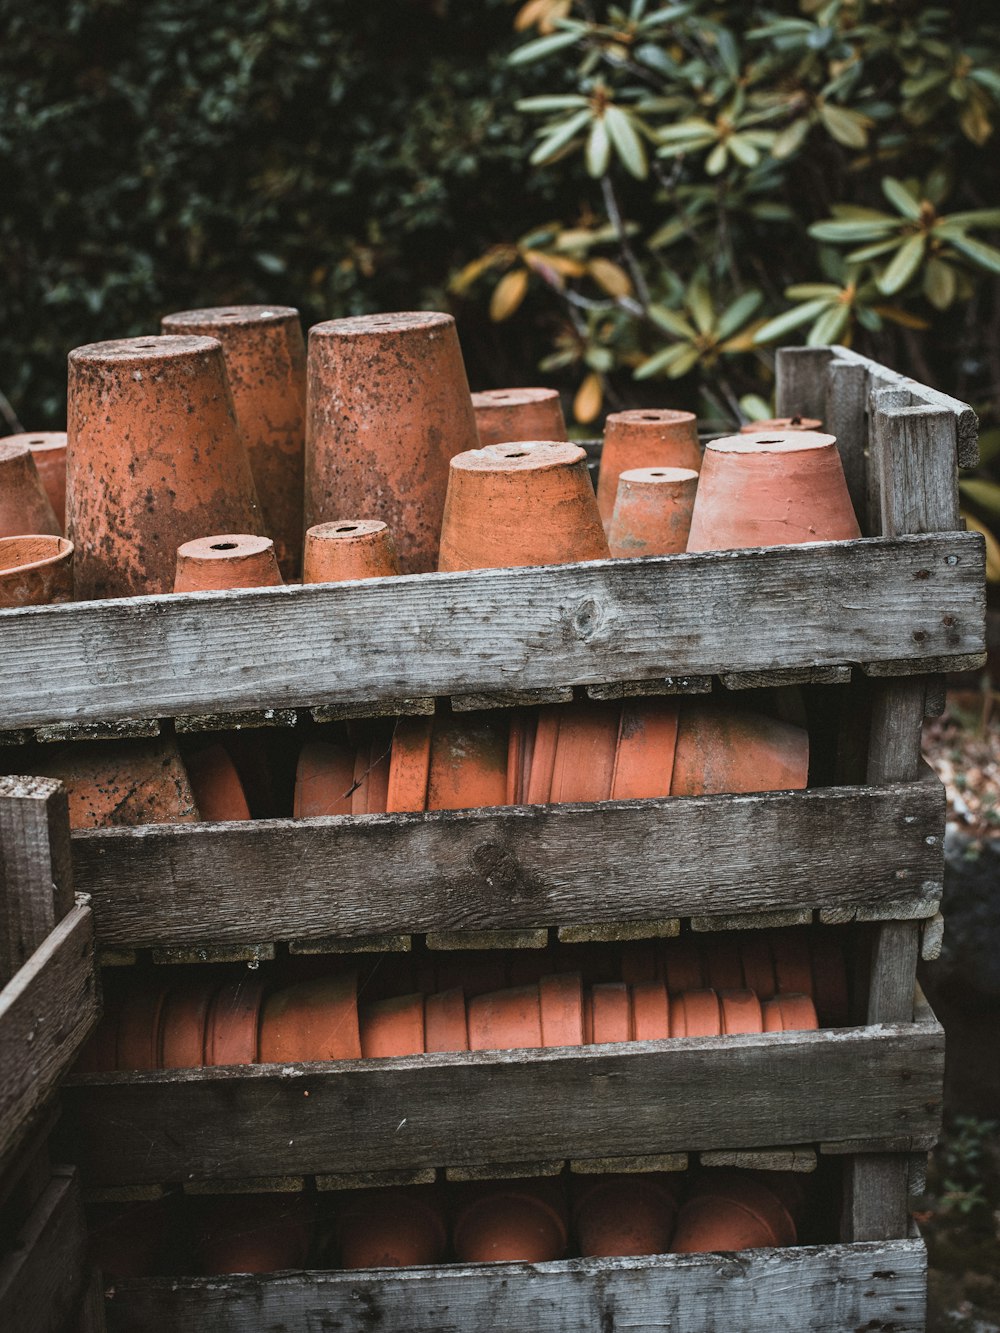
(25, 509)
(696, 1013)
(445, 1025)
(48, 448)
(540, 757)
(468, 768)
(122, 782)
(35, 571)
(585, 754)
(639, 961)
(233, 1023)
(792, 961)
(830, 992)
(560, 999)
(608, 1015)
(723, 963)
(683, 966)
(644, 758)
(730, 1210)
(477, 971)
(389, 407)
(520, 744)
(371, 775)
(505, 1020)
(324, 777)
(266, 368)
(229, 560)
(182, 1025)
(249, 1233)
(741, 1011)
(409, 764)
(643, 438)
(503, 415)
(789, 1013)
(154, 460)
(650, 1011)
(758, 966)
(622, 1215)
(729, 751)
(529, 503)
(393, 1027)
(783, 424)
(218, 791)
(139, 1028)
(771, 490)
(511, 1222)
(390, 1228)
(652, 513)
(313, 1020)
(349, 548)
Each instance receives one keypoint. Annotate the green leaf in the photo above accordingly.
(542, 47)
(598, 148)
(847, 127)
(939, 283)
(984, 494)
(556, 102)
(979, 217)
(716, 160)
(671, 321)
(902, 268)
(626, 141)
(868, 252)
(791, 138)
(830, 325)
(984, 256)
(813, 291)
(737, 314)
(689, 358)
(662, 361)
(791, 319)
(743, 150)
(987, 78)
(846, 231)
(900, 198)
(688, 129)
(558, 137)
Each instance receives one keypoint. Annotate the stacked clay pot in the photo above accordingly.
(227, 560)
(391, 1228)
(652, 513)
(25, 508)
(35, 570)
(510, 1221)
(506, 415)
(48, 449)
(349, 548)
(252, 1233)
(644, 438)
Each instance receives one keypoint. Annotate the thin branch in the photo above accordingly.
(9, 415)
(634, 267)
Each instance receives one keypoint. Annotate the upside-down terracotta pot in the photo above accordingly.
(182, 1024)
(783, 424)
(758, 965)
(391, 1228)
(790, 1013)
(731, 1210)
(232, 1027)
(644, 757)
(510, 1221)
(468, 768)
(122, 782)
(312, 1020)
(520, 745)
(371, 775)
(218, 791)
(229, 560)
(771, 490)
(154, 459)
(792, 961)
(695, 1013)
(539, 758)
(25, 509)
(721, 750)
(607, 1013)
(652, 513)
(266, 368)
(505, 1020)
(503, 415)
(252, 1233)
(584, 763)
(445, 1025)
(683, 965)
(642, 438)
(476, 971)
(324, 777)
(830, 991)
(723, 962)
(622, 1215)
(528, 503)
(48, 448)
(388, 408)
(349, 548)
(393, 1027)
(560, 1000)
(139, 1027)
(650, 1011)
(35, 570)
(409, 764)
(741, 1011)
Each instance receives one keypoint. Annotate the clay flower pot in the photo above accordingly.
(520, 745)
(391, 1228)
(639, 961)
(371, 776)
(643, 438)
(584, 763)
(731, 1210)
(154, 459)
(830, 991)
(468, 768)
(782, 424)
(388, 408)
(393, 1027)
(792, 961)
(696, 1013)
(182, 1025)
(218, 791)
(528, 503)
(324, 777)
(741, 1011)
(505, 1020)
(789, 1013)
(758, 966)
(608, 1014)
(25, 509)
(409, 764)
(733, 751)
(539, 758)
(233, 1023)
(510, 1222)
(560, 1000)
(652, 513)
(771, 490)
(476, 971)
(122, 782)
(35, 571)
(503, 415)
(622, 1215)
(249, 1233)
(723, 963)
(644, 757)
(138, 1045)
(445, 1025)
(650, 1012)
(349, 548)
(266, 368)
(229, 560)
(683, 965)
(313, 1020)
(48, 448)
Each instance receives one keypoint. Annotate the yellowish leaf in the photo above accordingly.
(562, 264)
(541, 13)
(508, 294)
(610, 277)
(901, 317)
(992, 547)
(466, 276)
(588, 400)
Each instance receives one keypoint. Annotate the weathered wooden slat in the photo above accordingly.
(359, 944)
(504, 1170)
(635, 1165)
(845, 416)
(765, 1159)
(827, 603)
(422, 707)
(36, 873)
(90, 1313)
(248, 719)
(797, 916)
(758, 680)
(216, 953)
(470, 703)
(644, 1097)
(800, 381)
(42, 1277)
(876, 1189)
(511, 868)
(487, 939)
(825, 1289)
(645, 689)
(364, 1180)
(98, 731)
(617, 931)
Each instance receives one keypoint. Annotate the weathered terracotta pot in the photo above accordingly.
(252, 1233)
(723, 962)
(266, 368)
(349, 548)
(652, 513)
(445, 1025)
(218, 791)
(644, 757)
(758, 966)
(390, 1228)
(683, 965)
(388, 408)
(528, 503)
(371, 775)
(622, 1215)
(229, 560)
(121, 782)
(476, 971)
(695, 1013)
(35, 571)
(503, 415)
(540, 757)
(783, 424)
(409, 764)
(789, 1013)
(139, 1027)
(585, 754)
(312, 1020)
(721, 750)
(771, 490)
(468, 767)
(560, 999)
(324, 777)
(650, 1011)
(505, 1020)
(393, 1027)
(792, 961)
(511, 1221)
(642, 438)
(233, 1023)
(741, 1011)
(608, 1016)
(182, 1025)
(48, 448)
(520, 744)
(25, 509)
(154, 459)
(830, 990)
(731, 1210)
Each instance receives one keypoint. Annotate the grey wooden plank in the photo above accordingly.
(248, 1185)
(845, 416)
(487, 939)
(797, 916)
(124, 1193)
(359, 944)
(876, 1194)
(645, 689)
(248, 719)
(418, 1111)
(800, 388)
(471, 703)
(519, 867)
(89, 1317)
(603, 932)
(757, 680)
(42, 1277)
(36, 872)
(893, 972)
(814, 605)
(421, 707)
(897, 666)
(635, 1165)
(932, 938)
(825, 1289)
(505, 1170)
(364, 1180)
(98, 731)
(914, 450)
(801, 1159)
(216, 953)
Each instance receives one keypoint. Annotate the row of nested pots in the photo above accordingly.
(529, 1220)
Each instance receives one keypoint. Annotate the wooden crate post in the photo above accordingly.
(36, 877)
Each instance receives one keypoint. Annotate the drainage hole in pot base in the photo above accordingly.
(223, 546)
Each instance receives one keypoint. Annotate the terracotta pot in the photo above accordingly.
(585, 754)
(371, 775)
(25, 509)
(782, 424)
(182, 1025)
(652, 513)
(789, 1013)
(730, 1210)
(758, 967)
(349, 548)
(683, 965)
(139, 1027)
(121, 782)
(216, 784)
(640, 961)
(771, 490)
(528, 503)
(505, 1020)
(266, 368)
(792, 961)
(503, 415)
(409, 764)
(391, 1228)
(154, 459)
(313, 1020)
(643, 438)
(696, 1013)
(509, 1222)
(233, 1023)
(650, 1011)
(229, 560)
(468, 768)
(540, 757)
(830, 991)
(723, 963)
(476, 971)
(324, 777)
(445, 1024)
(644, 758)
(741, 1011)
(728, 751)
(609, 1014)
(388, 408)
(250, 1233)
(35, 571)
(520, 744)
(622, 1215)
(560, 998)
(48, 448)
(393, 1027)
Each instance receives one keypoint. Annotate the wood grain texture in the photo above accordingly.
(90, 1314)
(800, 388)
(825, 1289)
(845, 416)
(757, 680)
(642, 1097)
(914, 450)
(876, 1196)
(42, 1278)
(801, 1159)
(36, 873)
(822, 604)
(511, 868)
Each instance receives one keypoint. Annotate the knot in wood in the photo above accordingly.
(499, 867)
(588, 619)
